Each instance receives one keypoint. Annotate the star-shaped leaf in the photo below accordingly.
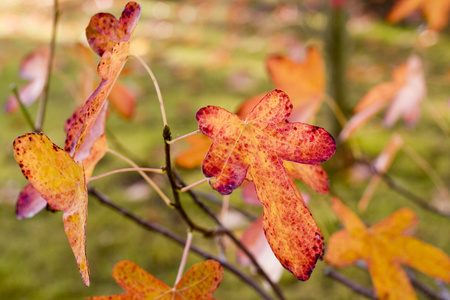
(384, 247)
(404, 95)
(61, 182)
(199, 282)
(115, 52)
(435, 11)
(255, 148)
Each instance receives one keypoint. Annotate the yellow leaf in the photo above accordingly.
(61, 182)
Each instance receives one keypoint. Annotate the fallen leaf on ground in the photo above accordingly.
(384, 247)
(255, 148)
(61, 182)
(199, 282)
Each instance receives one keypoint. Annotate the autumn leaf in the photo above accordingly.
(111, 39)
(61, 182)
(435, 11)
(304, 82)
(93, 149)
(34, 68)
(199, 282)
(255, 148)
(404, 95)
(385, 247)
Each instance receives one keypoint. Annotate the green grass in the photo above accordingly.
(36, 260)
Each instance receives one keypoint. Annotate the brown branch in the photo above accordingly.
(44, 100)
(414, 198)
(151, 226)
(356, 287)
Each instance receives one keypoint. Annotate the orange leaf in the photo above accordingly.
(255, 147)
(61, 182)
(304, 82)
(435, 11)
(193, 156)
(199, 282)
(403, 94)
(113, 59)
(123, 99)
(384, 247)
(34, 68)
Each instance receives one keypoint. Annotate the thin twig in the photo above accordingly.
(183, 137)
(184, 257)
(146, 178)
(414, 198)
(151, 226)
(23, 109)
(158, 171)
(155, 83)
(43, 104)
(188, 187)
(356, 287)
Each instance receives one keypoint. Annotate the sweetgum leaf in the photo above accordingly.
(384, 247)
(61, 182)
(105, 31)
(404, 95)
(29, 202)
(435, 11)
(199, 282)
(255, 148)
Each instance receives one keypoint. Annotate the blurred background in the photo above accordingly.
(211, 53)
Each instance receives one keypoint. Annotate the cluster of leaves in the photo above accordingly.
(263, 147)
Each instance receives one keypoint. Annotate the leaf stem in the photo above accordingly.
(182, 137)
(187, 188)
(151, 226)
(23, 109)
(43, 103)
(184, 257)
(146, 178)
(159, 171)
(155, 83)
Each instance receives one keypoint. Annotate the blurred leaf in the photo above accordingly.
(304, 83)
(34, 68)
(435, 11)
(199, 282)
(255, 148)
(404, 95)
(384, 247)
